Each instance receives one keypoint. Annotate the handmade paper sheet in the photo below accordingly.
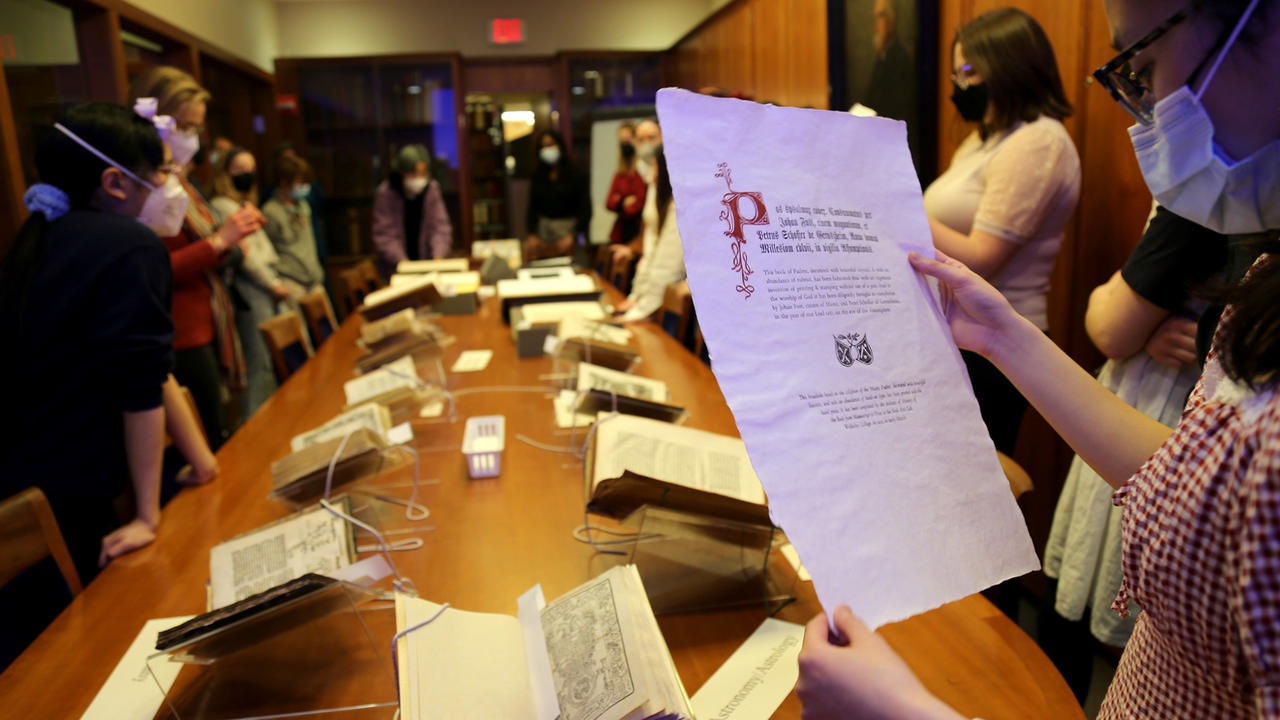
(833, 353)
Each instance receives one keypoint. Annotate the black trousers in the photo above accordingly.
(197, 369)
(1001, 404)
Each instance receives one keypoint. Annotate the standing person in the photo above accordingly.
(289, 227)
(208, 358)
(1144, 320)
(410, 221)
(1003, 204)
(1201, 523)
(626, 195)
(648, 142)
(255, 286)
(663, 260)
(85, 295)
(559, 201)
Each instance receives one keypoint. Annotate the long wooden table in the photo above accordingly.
(493, 539)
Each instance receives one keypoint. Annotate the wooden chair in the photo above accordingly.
(351, 289)
(604, 261)
(29, 533)
(369, 278)
(1019, 480)
(318, 313)
(287, 342)
(676, 311)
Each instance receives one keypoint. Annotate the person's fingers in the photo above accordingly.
(815, 632)
(948, 272)
(849, 625)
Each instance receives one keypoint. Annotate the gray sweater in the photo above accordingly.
(289, 227)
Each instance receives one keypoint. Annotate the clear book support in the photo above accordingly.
(323, 655)
(690, 561)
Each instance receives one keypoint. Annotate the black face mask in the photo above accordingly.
(628, 151)
(242, 182)
(971, 102)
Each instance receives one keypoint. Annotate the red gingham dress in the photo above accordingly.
(1201, 543)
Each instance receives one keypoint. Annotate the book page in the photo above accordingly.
(600, 378)
(553, 312)
(311, 541)
(675, 454)
(579, 327)
(371, 415)
(546, 286)
(462, 665)
(130, 692)
(833, 353)
(597, 670)
(401, 373)
(427, 266)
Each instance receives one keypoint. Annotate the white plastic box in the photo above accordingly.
(482, 443)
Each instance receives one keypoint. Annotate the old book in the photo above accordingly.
(312, 540)
(299, 478)
(420, 343)
(514, 293)
(634, 461)
(378, 330)
(597, 352)
(601, 389)
(428, 266)
(580, 327)
(239, 619)
(371, 415)
(595, 653)
(385, 301)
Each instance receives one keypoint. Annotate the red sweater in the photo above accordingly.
(192, 312)
(626, 183)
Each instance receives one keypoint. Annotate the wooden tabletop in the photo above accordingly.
(492, 539)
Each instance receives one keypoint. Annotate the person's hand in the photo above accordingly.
(125, 539)
(626, 201)
(621, 252)
(198, 473)
(977, 312)
(243, 222)
(280, 292)
(1174, 342)
(863, 679)
(623, 306)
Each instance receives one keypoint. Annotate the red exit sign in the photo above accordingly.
(506, 31)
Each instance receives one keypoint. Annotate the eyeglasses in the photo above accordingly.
(1131, 89)
(963, 77)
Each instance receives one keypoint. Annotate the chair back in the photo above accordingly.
(604, 262)
(287, 341)
(677, 308)
(369, 278)
(351, 289)
(318, 312)
(1019, 480)
(29, 533)
(622, 273)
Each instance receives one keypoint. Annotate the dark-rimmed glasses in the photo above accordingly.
(1129, 88)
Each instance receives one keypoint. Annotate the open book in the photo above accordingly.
(596, 653)
(371, 415)
(601, 390)
(634, 461)
(579, 327)
(394, 298)
(310, 541)
(441, 265)
(299, 478)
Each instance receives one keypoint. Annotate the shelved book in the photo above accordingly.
(595, 653)
(634, 461)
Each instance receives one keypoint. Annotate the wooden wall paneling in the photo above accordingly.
(464, 154)
(808, 75)
(499, 75)
(12, 182)
(185, 56)
(102, 53)
(772, 53)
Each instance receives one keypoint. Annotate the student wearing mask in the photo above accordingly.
(559, 201)
(1201, 502)
(663, 260)
(410, 221)
(1003, 204)
(648, 142)
(256, 287)
(85, 296)
(289, 227)
(207, 347)
(626, 195)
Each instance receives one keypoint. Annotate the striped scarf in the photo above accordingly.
(200, 224)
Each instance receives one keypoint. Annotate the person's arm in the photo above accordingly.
(617, 188)
(1255, 587)
(664, 268)
(388, 227)
(144, 445)
(437, 218)
(1119, 321)
(633, 203)
(184, 428)
(1112, 437)
(985, 253)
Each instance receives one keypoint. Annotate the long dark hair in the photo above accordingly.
(1011, 52)
(662, 186)
(563, 168)
(114, 131)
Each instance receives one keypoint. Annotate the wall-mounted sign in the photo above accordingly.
(506, 31)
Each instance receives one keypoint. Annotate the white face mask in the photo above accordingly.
(646, 150)
(550, 154)
(165, 208)
(1191, 176)
(415, 185)
(183, 144)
